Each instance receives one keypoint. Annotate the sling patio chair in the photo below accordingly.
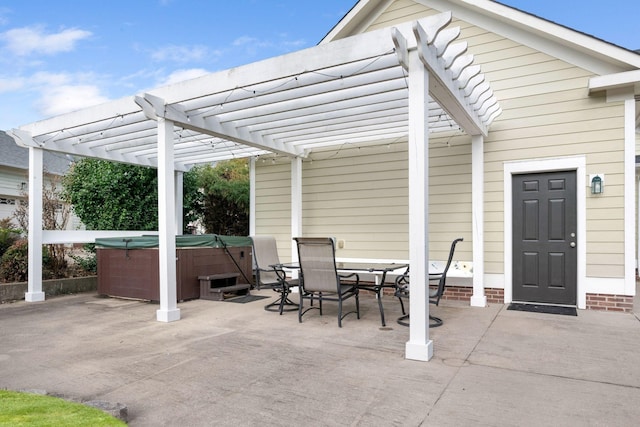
(402, 289)
(269, 275)
(319, 278)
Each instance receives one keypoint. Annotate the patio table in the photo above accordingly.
(380, 270)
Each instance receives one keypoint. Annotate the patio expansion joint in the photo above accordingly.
(464, 363)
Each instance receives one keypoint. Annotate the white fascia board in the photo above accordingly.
(367, 12)
(553, 39)
(625, 79)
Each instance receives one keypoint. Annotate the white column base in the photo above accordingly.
(421, 352)
(478, 301)
(168, 315)
(34, 296)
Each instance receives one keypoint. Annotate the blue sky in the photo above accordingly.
(61, 55)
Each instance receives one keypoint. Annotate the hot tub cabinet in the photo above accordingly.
(128, 267)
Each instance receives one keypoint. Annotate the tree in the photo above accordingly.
(55, 215)
(113, 196)
(225, 207)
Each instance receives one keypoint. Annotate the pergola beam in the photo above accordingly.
(156, 107)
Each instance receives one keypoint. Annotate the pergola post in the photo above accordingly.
(296, 203)
(252, 196)
(34, 289)
(478, 299)
(179, 199)
(419, 346)
(169, 310)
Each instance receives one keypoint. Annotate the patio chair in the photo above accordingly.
(265, 257)
(435, 293)
(319, 278)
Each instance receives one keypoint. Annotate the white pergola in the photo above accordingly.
(411, 79)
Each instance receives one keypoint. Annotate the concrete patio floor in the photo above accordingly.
(235, 364)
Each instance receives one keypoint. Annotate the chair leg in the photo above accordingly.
(300, 307)
(403, 320)
(434, 321)
(357, 304)
(278, 305)
(340, 312)
(401, 305)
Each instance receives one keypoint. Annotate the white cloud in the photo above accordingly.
(27, 40)
(66, 98)
(182, 75)
(244, 40)
(180, 53)
(11, 84)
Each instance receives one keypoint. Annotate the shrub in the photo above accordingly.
(8, 235)
(14, 265)
(87, 263)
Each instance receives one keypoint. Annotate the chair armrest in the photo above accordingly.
(348, 276)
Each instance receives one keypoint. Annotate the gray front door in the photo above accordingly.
(544, 238)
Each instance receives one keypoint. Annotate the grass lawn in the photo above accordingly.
(26, 409)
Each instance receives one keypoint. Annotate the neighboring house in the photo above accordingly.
(14, 168)
(568, 114)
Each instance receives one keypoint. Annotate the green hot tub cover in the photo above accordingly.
(185, 241)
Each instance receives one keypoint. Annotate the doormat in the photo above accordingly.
(243, 299)
(549, 309)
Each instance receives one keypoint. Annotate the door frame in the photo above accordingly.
(557, 164)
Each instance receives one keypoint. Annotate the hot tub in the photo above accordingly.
(129, 267)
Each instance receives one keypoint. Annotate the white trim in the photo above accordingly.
(168, 311)
(87, 236)
(478, 299)
(252, 196)
(577, 163)
(629, 195)
(637, 184)
(347, 26)
(561, 42)
(614, 81)
(419, 346)
(179, 199)
(605, 285)
(494, 280)
(296, 203)
(582, 50)
(34, 286)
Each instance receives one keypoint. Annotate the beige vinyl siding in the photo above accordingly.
(547, 113)
(273, 203)
(361, 195)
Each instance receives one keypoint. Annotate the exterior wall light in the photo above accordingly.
(597, 183)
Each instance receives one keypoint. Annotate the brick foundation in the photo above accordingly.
(607, 302)
(464, 293)
(602, 302)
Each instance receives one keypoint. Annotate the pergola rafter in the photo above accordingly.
(353, 89)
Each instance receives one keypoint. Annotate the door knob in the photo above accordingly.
(572, 244)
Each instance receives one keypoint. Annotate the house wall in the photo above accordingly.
(10, 184)
(273, 202)
(360, 195)
(12, 180)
